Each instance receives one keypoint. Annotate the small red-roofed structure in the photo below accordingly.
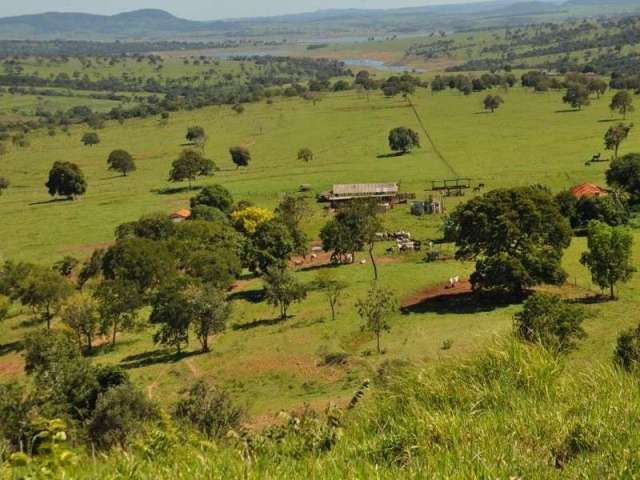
(588, 190)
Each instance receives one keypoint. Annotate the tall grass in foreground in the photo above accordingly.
(513, 412)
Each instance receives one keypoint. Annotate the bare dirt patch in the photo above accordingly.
(438, 292)
(11, 367)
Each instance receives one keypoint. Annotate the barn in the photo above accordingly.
(384, 193)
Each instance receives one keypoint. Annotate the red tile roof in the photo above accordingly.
(588, 190)
(182, 213)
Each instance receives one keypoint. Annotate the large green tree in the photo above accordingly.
(622, 102)
(215, 196)
(609, 255)
(241, 156)
(624, 173)
(172, 310)
(190, 165)
(577, 96)
(615, 136)
(118, 304)
(142, 263)
(45, 291)
(492, 102)
(211, 311)
(354, 227)
(121, 161)
(67, 180)
(516, 236)
(403, 140)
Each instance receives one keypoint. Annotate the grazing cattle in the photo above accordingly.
(596, 158)
(456, 280)
(477, 189)
(314, 256)
(298, 263)
(451, 283)
(363, 262)
(481, 185)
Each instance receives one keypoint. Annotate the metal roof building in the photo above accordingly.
(364, 190)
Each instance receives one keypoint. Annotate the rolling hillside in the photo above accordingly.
(158, 24)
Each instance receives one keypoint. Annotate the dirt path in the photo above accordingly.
(193, 368)
(440, 291)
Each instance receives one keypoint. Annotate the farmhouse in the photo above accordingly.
(588, 190)
(384, 193)
(181, 215)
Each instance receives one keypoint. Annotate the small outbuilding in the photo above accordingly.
(181, 215)
(588, 190)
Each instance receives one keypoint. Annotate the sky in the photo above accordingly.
(203, 9)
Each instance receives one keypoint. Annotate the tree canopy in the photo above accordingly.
(622, 102)
(67, 180)
(403, 139)
(215, 196)
(121, 161)
(240, 156)
(516, 236)
(609, 255)
(624, 173)
(189, 165)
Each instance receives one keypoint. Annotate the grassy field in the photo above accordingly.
(271, 365)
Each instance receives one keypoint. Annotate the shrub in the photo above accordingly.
(209, 410)
(5, 305)
(551, 321)
(214, 196)
(627, 353)
(119, 412)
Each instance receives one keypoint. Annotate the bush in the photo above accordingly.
(46, 348)
(551, 321)
(214, 196)
(119, 412)
(627, 353)
(209, 410)
(5, 305)
(335, 359)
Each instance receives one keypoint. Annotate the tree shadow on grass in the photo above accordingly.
(266, 322)
(391, 155)
(32, 322)
(13, 347)
(611, 120)
(313, 268)
(484, 112)
(251, 296)
(594, 299)
(175, 190)
(53, 200)
(462, 303)
(154, 357)
(568, 110)
(106, 348)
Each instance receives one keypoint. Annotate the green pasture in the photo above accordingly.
(272, 365)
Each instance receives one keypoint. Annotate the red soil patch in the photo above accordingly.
(439, 292)
(11, 367)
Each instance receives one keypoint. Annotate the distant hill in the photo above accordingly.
(152, 24)
(139, 23)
